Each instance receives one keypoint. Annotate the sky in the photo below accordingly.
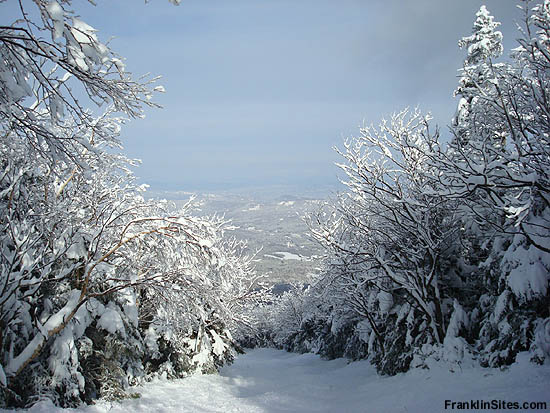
(258, 92)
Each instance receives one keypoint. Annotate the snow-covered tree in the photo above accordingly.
(47, 65)
(99, 287)
(88, 256)
(390, 238)
(500, 173)
(442, 251)
(483, 46)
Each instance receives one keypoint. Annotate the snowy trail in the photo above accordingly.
(268, 380)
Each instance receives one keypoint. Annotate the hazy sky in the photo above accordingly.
(259, 91)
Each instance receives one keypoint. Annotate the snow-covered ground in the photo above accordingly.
(283, 255)
(267, 380)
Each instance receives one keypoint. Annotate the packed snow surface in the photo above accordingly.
(268, 380)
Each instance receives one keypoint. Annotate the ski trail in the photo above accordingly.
(273, 381)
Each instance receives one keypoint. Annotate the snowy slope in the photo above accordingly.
(267, 380)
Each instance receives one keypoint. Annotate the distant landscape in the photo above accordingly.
(273, 226)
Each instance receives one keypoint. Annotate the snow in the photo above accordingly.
(283, 256)
(454, 346)
(77, 250)
(36, 343)
(528, 280)
(206, 243)
(82, 32)
(20, 360)
(3, 381)
(530, 276)
(111, 321)
(253, 208)
(542, 337)
(219, 347)
(385, 301)
(458, 320)
(202, 357)
(268, 380)
(56, 14)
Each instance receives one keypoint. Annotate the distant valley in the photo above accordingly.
(272, 225)
(274, 228)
